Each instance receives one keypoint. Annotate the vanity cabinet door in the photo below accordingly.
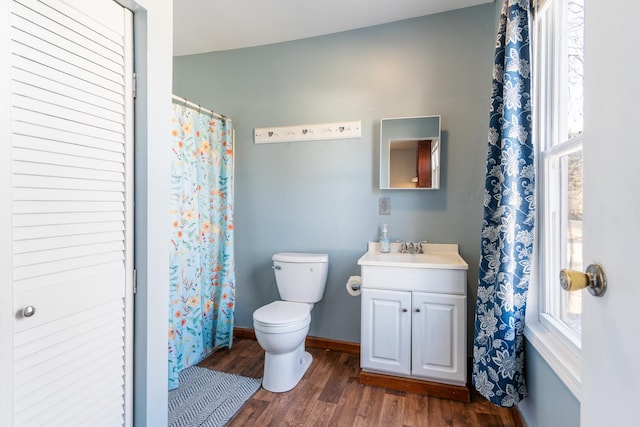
(385, 342)
(439, 333)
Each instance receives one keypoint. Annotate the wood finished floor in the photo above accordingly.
(330, 394)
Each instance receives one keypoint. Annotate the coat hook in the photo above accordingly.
(341, 128)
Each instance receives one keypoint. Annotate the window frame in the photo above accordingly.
(558, 345)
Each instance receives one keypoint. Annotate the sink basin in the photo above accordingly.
(440, 269)
(436, 256)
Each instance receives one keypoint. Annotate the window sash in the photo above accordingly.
(554, 147)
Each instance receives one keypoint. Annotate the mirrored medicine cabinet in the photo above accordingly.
(410, 153)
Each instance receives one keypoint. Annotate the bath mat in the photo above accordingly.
(208, 398)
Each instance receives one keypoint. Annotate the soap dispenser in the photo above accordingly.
(385, 243)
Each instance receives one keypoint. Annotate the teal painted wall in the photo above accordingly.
(322, 196)
(550, 403)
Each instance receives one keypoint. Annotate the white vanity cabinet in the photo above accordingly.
(414, 316)
(438, 337)
(385, 340)
(414, 334)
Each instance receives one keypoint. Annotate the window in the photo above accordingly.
(558, 40)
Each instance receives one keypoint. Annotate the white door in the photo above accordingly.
(611, 325)
(385, 342)
(66, 220)
(438, 328)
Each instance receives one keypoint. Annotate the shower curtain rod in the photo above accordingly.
(179, 100)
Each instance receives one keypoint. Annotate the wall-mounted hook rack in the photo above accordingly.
(314, 132)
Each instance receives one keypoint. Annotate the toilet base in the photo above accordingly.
(282, 372)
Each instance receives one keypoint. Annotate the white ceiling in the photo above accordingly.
(212, 25)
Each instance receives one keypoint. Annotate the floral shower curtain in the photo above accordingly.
(508, 225)
(201, 274)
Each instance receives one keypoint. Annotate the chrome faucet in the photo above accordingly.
(411, 247)
(408, 248)
(419, 246)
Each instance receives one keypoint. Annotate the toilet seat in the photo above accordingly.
(282, 316)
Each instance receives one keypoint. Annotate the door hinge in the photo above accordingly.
(135, 281)
(134, 85)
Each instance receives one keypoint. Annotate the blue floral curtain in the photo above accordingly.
(202, 273)
(508, 225)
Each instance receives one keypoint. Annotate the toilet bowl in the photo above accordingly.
(282, 326)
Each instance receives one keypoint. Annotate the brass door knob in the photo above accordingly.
(593, 279)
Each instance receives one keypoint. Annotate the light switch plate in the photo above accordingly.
(384, 206)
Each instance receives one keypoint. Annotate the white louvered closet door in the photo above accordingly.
(71, 185)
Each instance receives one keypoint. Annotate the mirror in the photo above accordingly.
(410, 153)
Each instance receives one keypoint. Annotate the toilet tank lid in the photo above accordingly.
(300, 257)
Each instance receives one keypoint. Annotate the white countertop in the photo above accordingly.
(436, 255)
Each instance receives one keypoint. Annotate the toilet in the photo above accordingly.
(282, 326)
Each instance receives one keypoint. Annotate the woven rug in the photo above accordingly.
(208, 398)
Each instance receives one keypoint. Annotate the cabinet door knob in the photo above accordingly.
(404, 310)
(29, 311)
(417, 310)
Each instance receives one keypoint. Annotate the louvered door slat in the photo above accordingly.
(34, 130)
(72, 217)
(25, 65)
(48, 400)
(51, 146)
(22, 246)
(48, 256)
(50, 377)
(85, 416)
(103, 36)
(65, 113)
(45, 194)
(31, 92)
(62, 326)
(39, 51)
(71, 228)
(37, 283)
(46, 268)
(37, 158)
(28, 78)
(77, 365)
(76, 126)
(70, 39)
(39, 232)
(55, 338)
(33, 181)
(43, 169)
(34, 35)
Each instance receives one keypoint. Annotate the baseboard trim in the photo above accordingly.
(447, 391)
(244, 333)
(311, 342)
(333, 345)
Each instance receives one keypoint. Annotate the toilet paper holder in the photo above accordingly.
(593, 279)
(353, 285)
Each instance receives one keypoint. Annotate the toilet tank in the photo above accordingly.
(301, 277)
